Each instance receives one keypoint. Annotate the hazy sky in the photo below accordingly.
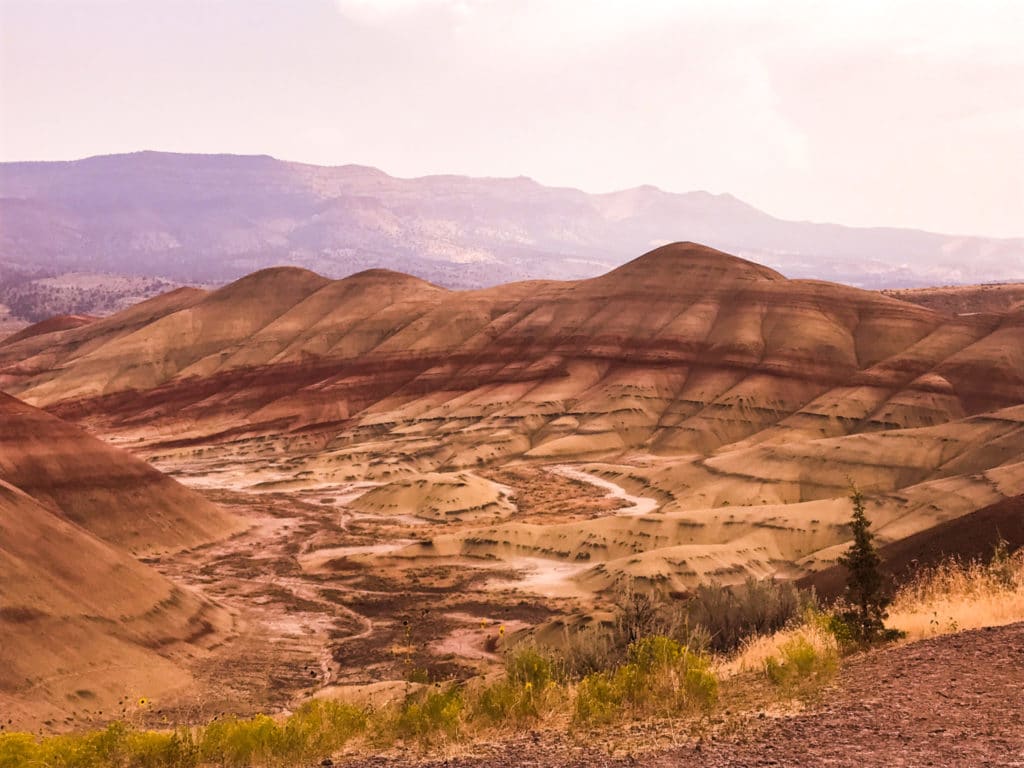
(859, 111)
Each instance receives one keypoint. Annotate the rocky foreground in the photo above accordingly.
(956, 700)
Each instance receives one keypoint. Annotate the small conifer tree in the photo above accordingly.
(865, 585)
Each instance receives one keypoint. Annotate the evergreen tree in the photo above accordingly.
(865, 585)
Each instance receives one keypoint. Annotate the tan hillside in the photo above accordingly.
(50, 325)
(48, 350)
(87, 628)
(84, 625)
(106, 491)
(437, 496)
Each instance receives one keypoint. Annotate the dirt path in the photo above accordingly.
(954, 701)
(639, 505)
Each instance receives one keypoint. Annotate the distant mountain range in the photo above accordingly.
(211, 218)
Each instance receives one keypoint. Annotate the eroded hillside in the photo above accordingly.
(87, 627)
(742, 401)
(518, 453)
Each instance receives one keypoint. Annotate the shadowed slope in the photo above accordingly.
(968, 537)
(50, 325)
(82, 623)
(107, 491)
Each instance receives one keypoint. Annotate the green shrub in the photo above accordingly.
(116, 746)
(149, 749)
(17, 750)
(530, 676)
(843, 630)
(669, 672)
(660, 676)
(428, 714)
(504, 703)
(239, 743)
(313, 732)
(597, 699)
(801, 665)
(526, 665)
(87, 751)
(319, 728)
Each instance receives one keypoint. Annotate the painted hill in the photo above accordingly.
(740, 400)
(106, 491)
(82, 622)
(635, 357)
(50, 325)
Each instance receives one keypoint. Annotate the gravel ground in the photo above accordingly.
(950, 701)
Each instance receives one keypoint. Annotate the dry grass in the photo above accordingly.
(955, 596)
(947, 598)
(759, 652)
